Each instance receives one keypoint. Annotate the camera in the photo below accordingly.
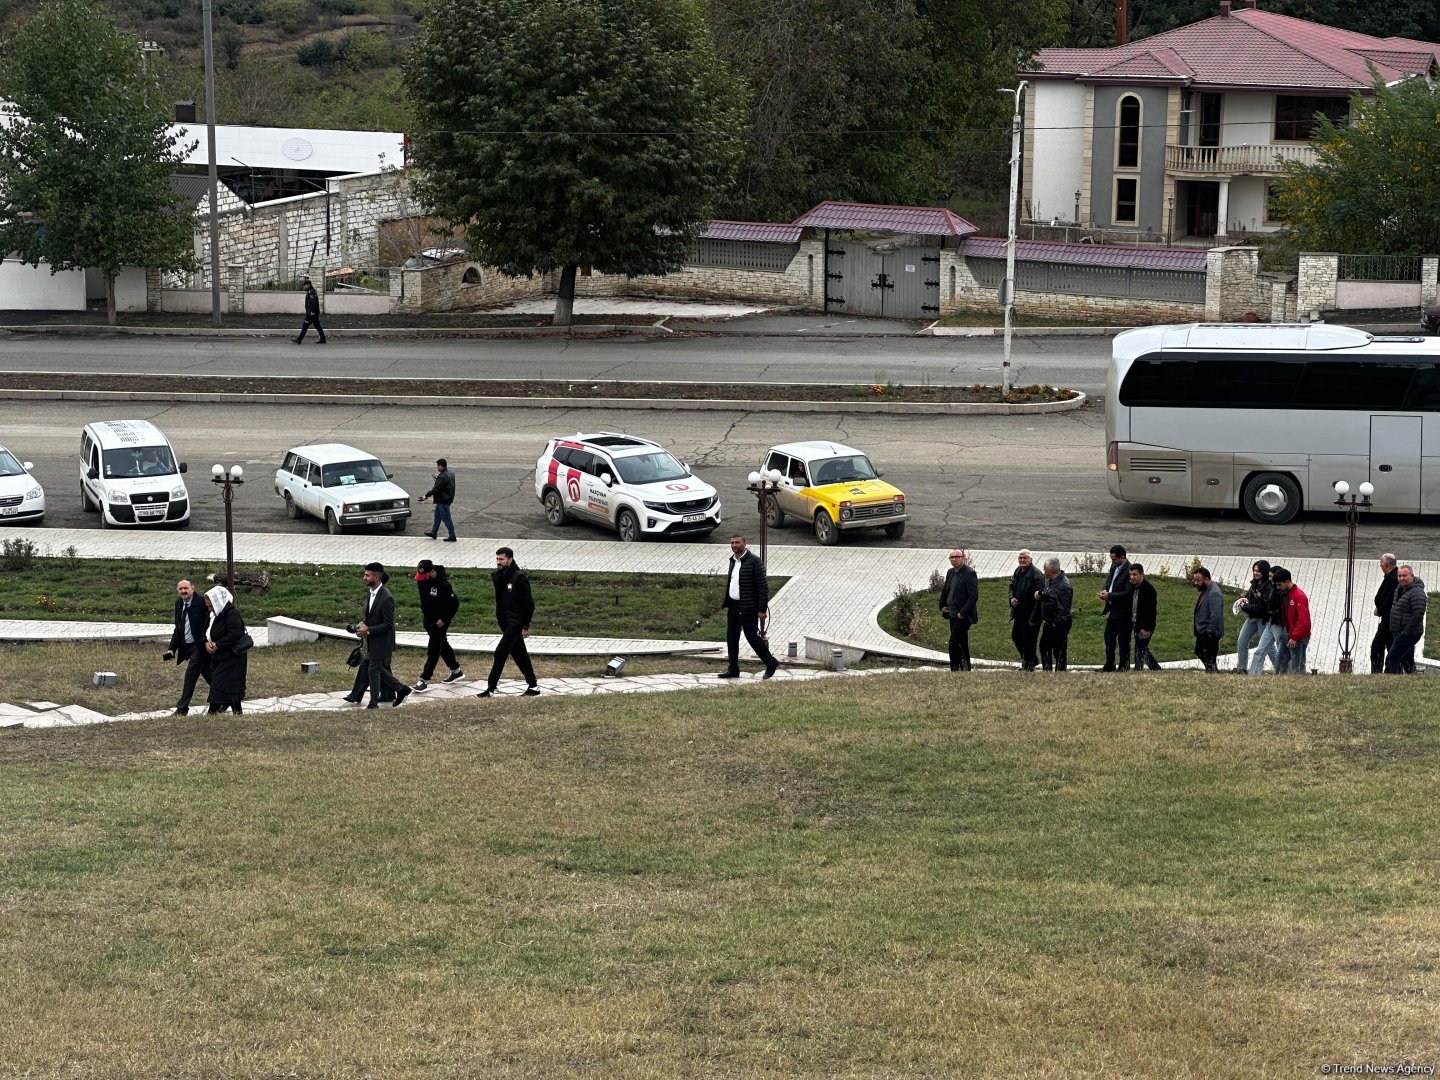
(350, 628)
(167, 656)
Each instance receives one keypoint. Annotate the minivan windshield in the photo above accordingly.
(346, 473)
(653, 468)
(136, 461)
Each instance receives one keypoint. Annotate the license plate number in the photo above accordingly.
(7, 511)
(690, 519)
(150, 513)
(377, 520)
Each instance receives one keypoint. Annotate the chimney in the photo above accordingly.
(1224, 9)
(1250, 4)
(185, 112)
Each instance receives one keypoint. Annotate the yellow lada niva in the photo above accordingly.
(832, 487)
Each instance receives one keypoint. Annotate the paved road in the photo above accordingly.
(986, 482)
(1079, 362)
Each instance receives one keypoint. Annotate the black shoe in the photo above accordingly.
(323, 341)
(486, 693)
(770, 669)
(354, 700)
(1108, 667)
(296, 340)
(372, 705)
(450, 539)
(431, 535)
(454, 676)
(400, 695)
(420, 684)
(728, 675)
(181, 712)
(531, 691)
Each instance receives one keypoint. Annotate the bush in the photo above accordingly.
(17, 555)
(904, 611)
(318, 52)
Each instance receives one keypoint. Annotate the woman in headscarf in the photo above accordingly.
(227, 673)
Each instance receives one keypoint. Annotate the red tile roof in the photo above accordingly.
(769, 232)
(1249, 48)
(917, 220)
(1138, 256)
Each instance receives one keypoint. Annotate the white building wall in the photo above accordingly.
(129, 288)
(1247, 120)
(34, 288)
(1055, 167)
(1247, 205)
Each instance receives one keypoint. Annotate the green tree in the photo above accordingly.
(1375, 186)
(567, 133)
(85, 165)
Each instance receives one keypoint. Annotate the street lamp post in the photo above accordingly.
(228, 482)
(764, 484)
(1170, 230)
(1352, 505)
(1008, 292)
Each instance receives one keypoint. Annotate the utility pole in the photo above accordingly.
(1122, 22)
(214, 177)
(1008, 290)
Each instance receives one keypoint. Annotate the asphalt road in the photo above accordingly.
(1078, 362)
(986, 481)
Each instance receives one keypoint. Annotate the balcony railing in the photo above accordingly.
(1224, 161)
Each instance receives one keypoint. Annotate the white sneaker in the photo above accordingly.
(420, 684)
(454, 676)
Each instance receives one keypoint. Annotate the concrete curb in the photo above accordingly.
(923, 408)
(1028, 331)
(422, 332)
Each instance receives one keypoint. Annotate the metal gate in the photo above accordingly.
(899, 284)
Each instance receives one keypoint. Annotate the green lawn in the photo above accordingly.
(872, 877)
(990, 638)
(682, 606)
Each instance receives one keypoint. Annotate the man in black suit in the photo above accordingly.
(377, 632)
(958, 599)
(1118, 626)
(1144, 604)
(747, 601)
(187, 642)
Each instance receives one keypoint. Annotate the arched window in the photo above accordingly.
(471, 276)
(1127, 133)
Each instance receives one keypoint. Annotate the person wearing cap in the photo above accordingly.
(1295, 619)
(438, 605)
(312, 314)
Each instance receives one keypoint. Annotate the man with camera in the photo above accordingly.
(187, 643)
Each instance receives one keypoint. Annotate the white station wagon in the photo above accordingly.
(342, 486)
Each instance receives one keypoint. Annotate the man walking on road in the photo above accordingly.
(1118, 627)
(1384, 599)
(187, 643)
(377, 631)
(747, 601)
(438, 605)
(312, 314)
(442, 492)
(514, 608)
(1407, 622)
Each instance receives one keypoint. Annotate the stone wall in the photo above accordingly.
(456, 286)
(799, 284)
(1233, 289)
(1430, 280)
(1319, 274)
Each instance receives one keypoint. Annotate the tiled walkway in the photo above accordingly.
(832, 595)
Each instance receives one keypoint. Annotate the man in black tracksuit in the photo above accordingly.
(514, 608)
(312, 314)
(747, 601)
(438, 605)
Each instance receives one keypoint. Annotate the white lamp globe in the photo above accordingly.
(774, 476)
(754, 479)
(217, 471)
(236, 472)
(1342, 488)
(1367, 489)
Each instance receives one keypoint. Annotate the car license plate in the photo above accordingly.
(377, 521)
(690, 519)
(7, 511)
(146, 513)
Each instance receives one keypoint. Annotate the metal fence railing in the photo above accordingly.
(1379, 268)
(1185, 286)
(341, 279)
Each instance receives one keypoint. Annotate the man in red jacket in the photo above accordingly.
(1295, 612)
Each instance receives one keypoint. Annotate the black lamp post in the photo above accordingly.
(1352, 505)
(764, 484)
(1170, 231)
(228, 482)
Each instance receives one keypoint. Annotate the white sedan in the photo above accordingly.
(21, 496)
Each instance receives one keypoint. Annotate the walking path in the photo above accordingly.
(832, 596)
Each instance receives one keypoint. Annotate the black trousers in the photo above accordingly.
(1379, 646)
(362, 683)
(1054, 646)
(311, 320)
(1117, 641)
(512, 643)
(1023, 633)
(382, 682)
(438, 649)
(196, 668)
(1207, 649)
(959, 644)
(748, 623)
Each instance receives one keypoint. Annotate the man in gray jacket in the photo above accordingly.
(1407, 622)
(1209, 618)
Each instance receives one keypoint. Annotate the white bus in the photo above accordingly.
(1268, 417)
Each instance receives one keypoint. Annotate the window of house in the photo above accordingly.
(1295, 114)
(1272, 204)
(1127, 134)
(1127, 200)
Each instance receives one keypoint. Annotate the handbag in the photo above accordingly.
(245, 643)
(353, 660)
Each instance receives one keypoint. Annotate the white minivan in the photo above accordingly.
(128, 473)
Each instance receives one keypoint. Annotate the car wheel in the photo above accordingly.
(332, 523)
(291, 510)
(774, 516)
(1271, 498)
(628, 526)
(105, 522)
(825, 531)
(85, 504)
(554, 508)
(894, 532)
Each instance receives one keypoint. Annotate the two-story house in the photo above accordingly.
(1182, 134)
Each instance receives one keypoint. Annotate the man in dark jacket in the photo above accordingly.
(1116, 595)
(514, 608)
(1209, 619)
(312, 314)
(1025, 582)
(958, 599)
(443, 492)
(1144, 614)
(1056, 599)
(377, 634)
(1384, 598)
(187, 642)
(438, 605)
(1407, 621)
(747, 601)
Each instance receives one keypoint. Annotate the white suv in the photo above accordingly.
(632, 485)
(342, 487)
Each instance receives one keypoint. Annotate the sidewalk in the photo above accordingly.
(832, 597)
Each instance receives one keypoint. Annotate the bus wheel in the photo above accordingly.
(1271, 498)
